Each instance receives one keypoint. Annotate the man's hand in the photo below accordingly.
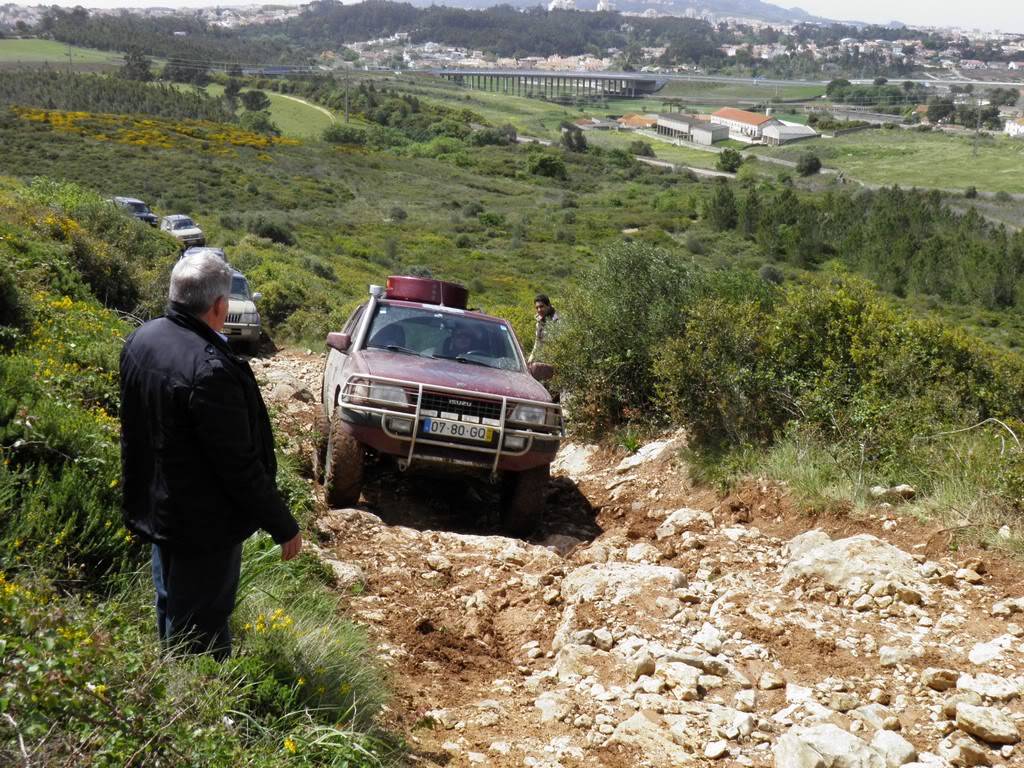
(292, 547)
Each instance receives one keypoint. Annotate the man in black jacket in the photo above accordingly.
(197, 454)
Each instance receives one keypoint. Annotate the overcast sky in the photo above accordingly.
(1006, 15)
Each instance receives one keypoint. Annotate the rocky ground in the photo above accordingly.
(652, 623)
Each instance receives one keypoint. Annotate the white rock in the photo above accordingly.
(647, 732)
(746, 700)
(988, 724)
(684, 519)
(1008, 607)
(989, 685)
(618, 582)
(716, 749)
(891, 655)
(553, 706)
(854, 561)
(895, 749)
(573, 460)
(709, 638)
(824, 746)
(985, 653)
(939, 679)
(647, 453)
(683, 679)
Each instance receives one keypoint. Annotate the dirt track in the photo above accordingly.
(653, 623)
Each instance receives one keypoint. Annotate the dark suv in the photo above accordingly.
(416, 379)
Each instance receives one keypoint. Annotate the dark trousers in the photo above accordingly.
(195, 596)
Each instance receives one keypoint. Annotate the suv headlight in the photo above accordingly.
(388, 394)
(529, 414)
(251, 318)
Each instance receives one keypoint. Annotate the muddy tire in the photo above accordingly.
(321, 433)
(343, 466)
(522, 502)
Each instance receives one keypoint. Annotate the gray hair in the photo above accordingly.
(197, 281)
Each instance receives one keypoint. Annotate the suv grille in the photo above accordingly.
(484, 409)
(235, 317)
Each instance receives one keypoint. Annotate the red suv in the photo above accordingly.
(416, 379)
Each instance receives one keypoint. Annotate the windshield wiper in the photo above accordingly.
(396, 348)
(464, 359)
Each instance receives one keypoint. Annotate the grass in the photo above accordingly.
(662, 149)
(910, 158)
(296, 119)
(18, 52)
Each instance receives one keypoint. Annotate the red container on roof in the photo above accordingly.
(427, 291)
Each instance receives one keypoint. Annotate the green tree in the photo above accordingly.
(940, 110)
(836, 87)
(750, 214)
(136, 66)
(573, 138)
(720, 209)
(544, 164)
(808, 164)
(259, 122)
(255, 101)
(729, 160)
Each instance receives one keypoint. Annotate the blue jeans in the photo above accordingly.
(195, 596)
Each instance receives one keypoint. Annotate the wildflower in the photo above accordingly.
(289, 744)
(300, 682)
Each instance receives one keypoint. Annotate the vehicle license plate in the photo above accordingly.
(442, 428)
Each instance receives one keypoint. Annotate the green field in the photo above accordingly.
(17, 52)
(912, 159)
(662, 149)
(683, 89)
(296, 119)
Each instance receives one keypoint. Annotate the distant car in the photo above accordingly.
(243, 323)
(183, 229)
(198, 249)
(136, 208)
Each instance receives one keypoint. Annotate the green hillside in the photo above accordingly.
(31, 51)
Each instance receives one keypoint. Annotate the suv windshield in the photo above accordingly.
(436, 334)
(239, 287)
(139, 207)
(184, 224)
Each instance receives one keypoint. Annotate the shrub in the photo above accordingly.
(271, 229)
(544, 164)
(729, 160)
(971, 192)
(808, 164)
(464, 241)
(772, 274)
(397, 213)
(642, 148)
(694, 244)
(340, 133)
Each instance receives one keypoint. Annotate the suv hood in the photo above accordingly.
(186, 232)
(450, 373)
(240, 305)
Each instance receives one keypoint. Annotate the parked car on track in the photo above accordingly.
(136, 208)
(243, 325)
(417, 380)
(183, 229)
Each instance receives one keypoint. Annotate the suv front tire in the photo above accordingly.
(343, 466)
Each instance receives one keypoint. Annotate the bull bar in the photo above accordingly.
(356, 396)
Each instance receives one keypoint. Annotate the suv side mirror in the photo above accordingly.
(339, 341)
(541, 371)
(257, 296)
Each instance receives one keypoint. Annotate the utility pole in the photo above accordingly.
(977, 123)
(69, 58)
(346, 94)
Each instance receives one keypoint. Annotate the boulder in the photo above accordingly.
(824, 746)
(939, 679)
(850, 563)
(684, 519)
(648, 733)
(649, 452)
(683, 679)
(894, 749)
(989, 686)
(986, 723)
(619, 582)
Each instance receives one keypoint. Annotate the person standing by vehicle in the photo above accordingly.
(546, 317)
(197, 456)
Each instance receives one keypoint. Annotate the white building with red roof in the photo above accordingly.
(743, 125)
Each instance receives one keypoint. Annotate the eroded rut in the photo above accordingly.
(655, 624)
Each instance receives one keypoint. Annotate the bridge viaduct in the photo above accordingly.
(552, 85)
